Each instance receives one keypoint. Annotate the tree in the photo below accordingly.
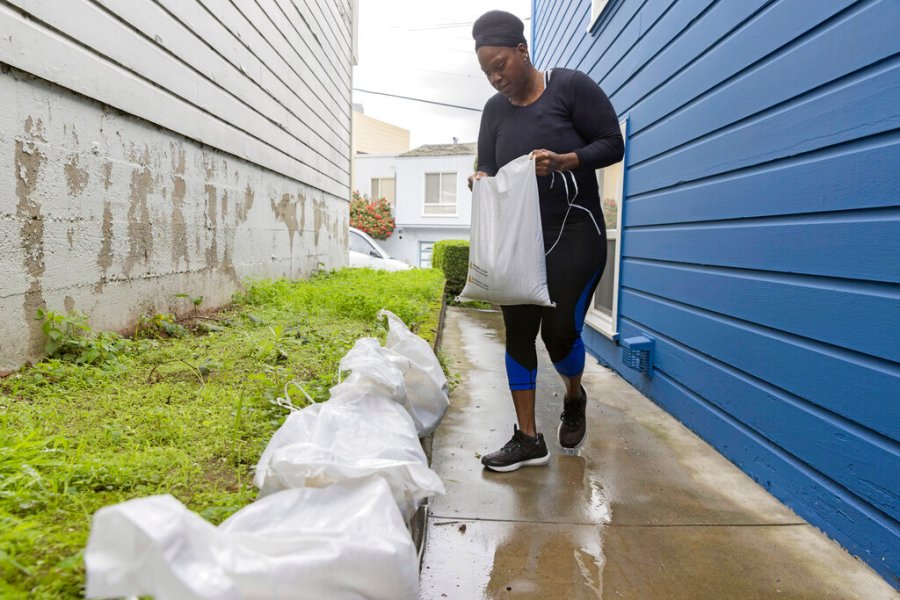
(374, 217)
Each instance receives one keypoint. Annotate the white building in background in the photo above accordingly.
(151, 149)
(432, 201)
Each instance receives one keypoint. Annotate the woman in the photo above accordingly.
(567, 123)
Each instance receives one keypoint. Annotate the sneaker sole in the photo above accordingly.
(531, 462)
(576, 446)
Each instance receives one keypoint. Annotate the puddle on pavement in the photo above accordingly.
(547, 562)
(495, 560)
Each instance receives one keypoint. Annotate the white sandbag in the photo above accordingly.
(344, 542)
(506, 249)
(382, 371)
(424, 391)
(427, 391)
(360, 432)
(155, 547)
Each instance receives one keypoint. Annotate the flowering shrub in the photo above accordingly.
(374, 217)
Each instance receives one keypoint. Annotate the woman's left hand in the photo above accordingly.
(546, 161)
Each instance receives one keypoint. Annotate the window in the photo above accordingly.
(597, 7)
(440, 195)
(425, 249)
(384, 187)
(603, 312)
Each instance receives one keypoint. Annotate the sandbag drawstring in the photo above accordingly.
(571, 203)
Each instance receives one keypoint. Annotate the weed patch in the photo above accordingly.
(185, 412)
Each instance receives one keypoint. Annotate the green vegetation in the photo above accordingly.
(185, 407)
(452, 257)
(69, 338)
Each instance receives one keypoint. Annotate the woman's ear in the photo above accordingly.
(522, 49)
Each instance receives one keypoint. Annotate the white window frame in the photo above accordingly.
(608, 325)
(374, 196)
(597, 7)
(441, 175)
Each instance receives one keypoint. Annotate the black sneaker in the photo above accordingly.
(521, 451)
(573, 425)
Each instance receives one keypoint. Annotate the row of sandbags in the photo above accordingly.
(338, 482)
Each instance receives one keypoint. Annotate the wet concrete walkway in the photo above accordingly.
(646, 511)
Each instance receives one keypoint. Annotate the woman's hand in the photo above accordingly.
(545, 161)
(475, 177)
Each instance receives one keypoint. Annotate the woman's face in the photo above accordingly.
(506, 68)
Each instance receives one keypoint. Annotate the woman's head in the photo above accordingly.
(503, 52)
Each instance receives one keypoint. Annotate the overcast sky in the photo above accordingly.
(424, 49)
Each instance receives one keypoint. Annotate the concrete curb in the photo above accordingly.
(418, 525)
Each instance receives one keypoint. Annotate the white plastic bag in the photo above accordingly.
(427, 391)
(422, 386)
(358, 433)
(344, 542)
(379, 369)
(155, 547)
(506, 251)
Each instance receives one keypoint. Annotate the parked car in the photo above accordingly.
(365, 252)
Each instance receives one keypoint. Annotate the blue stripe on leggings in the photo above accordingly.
(518, 376)
(573, 363)
(581, 306)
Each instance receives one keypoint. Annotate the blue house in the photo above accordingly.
(753, 285)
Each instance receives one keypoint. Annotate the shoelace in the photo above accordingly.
(518, 441)
(512, 445)
(569, 419)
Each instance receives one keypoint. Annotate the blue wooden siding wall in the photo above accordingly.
(761, 242)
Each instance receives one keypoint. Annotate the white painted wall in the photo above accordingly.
(411, 187)
(157, 148)
(368, 166)
(412, 225)
(404, 244)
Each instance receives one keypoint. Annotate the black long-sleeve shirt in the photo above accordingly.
(571, 115)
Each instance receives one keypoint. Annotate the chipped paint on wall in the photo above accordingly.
(179, 192)
(105, 255)
(29, 160)
(285, 210)
(140, 226)
(76, 177)
(118, 219)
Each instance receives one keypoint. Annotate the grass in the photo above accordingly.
(187, 416)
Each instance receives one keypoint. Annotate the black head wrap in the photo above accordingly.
(498, 28)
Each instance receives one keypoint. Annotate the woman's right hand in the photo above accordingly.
(475, 177)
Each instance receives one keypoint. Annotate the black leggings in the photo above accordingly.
(574, 267)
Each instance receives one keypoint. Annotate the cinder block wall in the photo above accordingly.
(110, 215)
